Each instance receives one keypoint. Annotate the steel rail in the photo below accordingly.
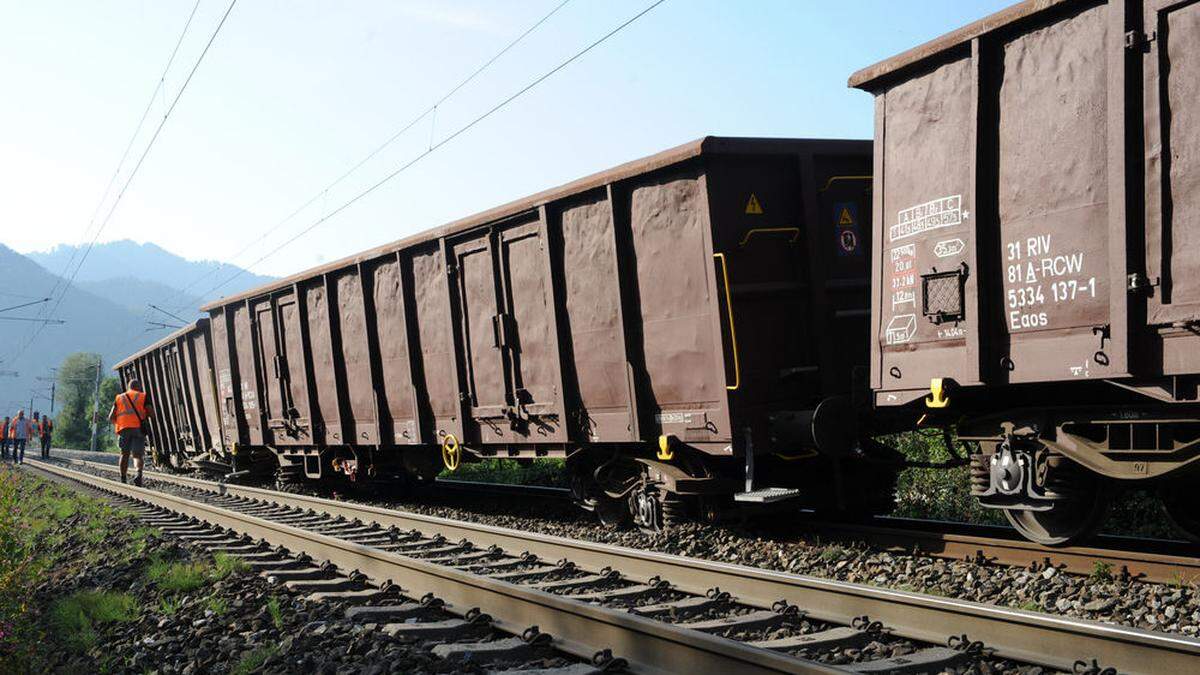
(1154, 560)
(1031, 637)
(580, 629)
(1161, 561)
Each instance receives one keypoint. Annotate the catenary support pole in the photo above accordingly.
(96, 403)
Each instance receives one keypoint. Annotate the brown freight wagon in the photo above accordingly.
(660, 324)
(176, 373)
(1036, 274)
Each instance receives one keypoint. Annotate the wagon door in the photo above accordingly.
(268, 350)
(391, 337)
(479, 323)
(527, 334)
(247, 380)
(1173, 160)
(294, 384)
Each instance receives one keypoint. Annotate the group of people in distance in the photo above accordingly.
(17, 432)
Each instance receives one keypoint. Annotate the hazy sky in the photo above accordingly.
(293, 93)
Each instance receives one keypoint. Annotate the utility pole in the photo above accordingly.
(96, 403)
(53, 380)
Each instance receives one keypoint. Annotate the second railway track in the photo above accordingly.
(778, 616)
(1152, 560)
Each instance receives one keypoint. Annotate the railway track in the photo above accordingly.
(1153, 560)
(660, 612)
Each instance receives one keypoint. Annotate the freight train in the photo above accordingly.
(1011, 262)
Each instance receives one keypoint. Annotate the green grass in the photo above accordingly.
(225, 564)
(217, 605)
(1101, 571)
(1030, 606)
(169, 605)
(76, 616)
(183, 577)
(254, 659)
(177, 577)
(140, 538)
(832, 553)
(511, 472)
(276, 612)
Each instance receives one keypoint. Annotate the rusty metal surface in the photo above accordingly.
(708, 144)
(871, 76)
(605, 311)
(951, 540)
(1012, 152)
(1172, 88)
(1026, 636)
(175, 371)
(580, 629)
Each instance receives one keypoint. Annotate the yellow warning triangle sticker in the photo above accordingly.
(753, 207)
(845, 218)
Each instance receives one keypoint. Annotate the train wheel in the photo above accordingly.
(611, 512)
(656, 510)
(1067, 521)
(1182, 505)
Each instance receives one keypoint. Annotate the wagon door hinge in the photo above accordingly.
(1138, 40)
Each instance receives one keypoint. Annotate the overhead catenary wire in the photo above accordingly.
(158, 86)
(434, 147)
(133, 173)
(431, 110)
(26, 304)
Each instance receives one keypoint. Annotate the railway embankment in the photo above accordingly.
(778, 544)
(87, 588)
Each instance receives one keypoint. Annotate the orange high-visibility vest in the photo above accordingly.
(127, 416)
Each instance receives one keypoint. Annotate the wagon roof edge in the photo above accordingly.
(871, 75)
(714, 145)
(195, 325)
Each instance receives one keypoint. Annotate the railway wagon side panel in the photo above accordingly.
(389, 340)
(327, 415)
(353, 358)
(436, 369)
(280, 361)
(1002, 188)
(196, 433)
(507, 332)
(1172, 147)
(227, 380)
(675, 312)
(599, 378)
(793, 232)
(204, 386)
(245, 357)
(266, 351)
(176, 399)
(167, 404)
(927, 144)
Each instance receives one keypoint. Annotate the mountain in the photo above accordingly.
(105, 309)
(150, 263)
(93, 324)
(136, 294)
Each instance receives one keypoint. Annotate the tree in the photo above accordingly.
(76, 390)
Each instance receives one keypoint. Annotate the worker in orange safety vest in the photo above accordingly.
(129, 414)
(47, 436)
